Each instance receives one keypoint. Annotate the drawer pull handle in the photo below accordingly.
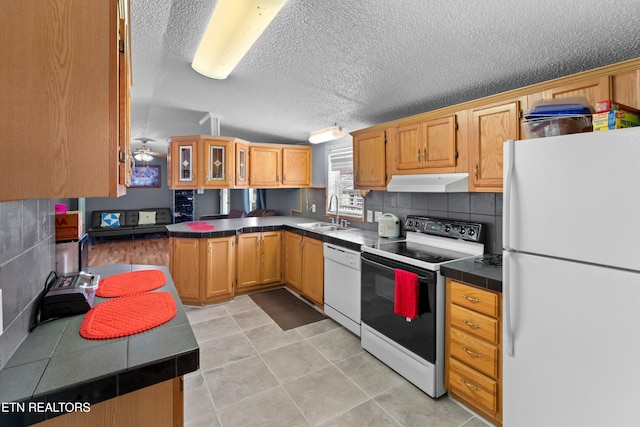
(470, 324)
(471, 386)
(470, 299)
(471, 353)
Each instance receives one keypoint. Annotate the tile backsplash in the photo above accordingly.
(27, 255)
(485, 208)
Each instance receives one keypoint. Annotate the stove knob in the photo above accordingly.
(447, 228)
(462, 230)
(409, 223)
(472, 232)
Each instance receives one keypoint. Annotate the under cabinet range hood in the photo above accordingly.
(430, 183)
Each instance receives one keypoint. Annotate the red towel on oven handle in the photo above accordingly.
(407, 294)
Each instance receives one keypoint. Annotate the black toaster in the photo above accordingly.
(69, 295)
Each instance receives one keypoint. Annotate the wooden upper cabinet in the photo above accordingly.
(216, 163)
(200, 161)
(124, 98)
(369, 160)
(210, 162)
(426, 147)
(296, 166)
(60, 103)
(409, 146)
(439, 143)
(278, 165)
(625, 88)
(182, 165)
(593, 90)
(490, 128)
(265, 166)
(242, 165)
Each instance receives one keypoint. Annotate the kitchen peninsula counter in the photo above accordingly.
(474, 272)
(351, 238)
(55, 366)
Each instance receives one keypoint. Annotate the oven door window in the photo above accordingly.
(378, 296)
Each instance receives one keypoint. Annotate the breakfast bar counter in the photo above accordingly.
(350, 237)
(136, 379)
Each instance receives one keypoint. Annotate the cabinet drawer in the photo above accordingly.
(473, 386)
(475, 323)
(474, 352)
(476, 299)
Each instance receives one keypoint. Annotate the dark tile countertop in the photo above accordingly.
(55, 364)
(475, 273)
(351, 238)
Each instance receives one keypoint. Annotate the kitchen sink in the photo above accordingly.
(323, 226)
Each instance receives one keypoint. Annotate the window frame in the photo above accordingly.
(354, 194)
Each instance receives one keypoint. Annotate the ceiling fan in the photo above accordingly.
(144, 153)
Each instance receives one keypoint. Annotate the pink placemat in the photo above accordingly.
(200, 226)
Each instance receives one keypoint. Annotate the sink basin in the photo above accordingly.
(322, 226)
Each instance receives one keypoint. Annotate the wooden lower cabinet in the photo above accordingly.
(313, 270)
(473, 373)
(184, 260)
(203, 270)
(304, 266)
(158, 405)
(258, 262)
(293, 260)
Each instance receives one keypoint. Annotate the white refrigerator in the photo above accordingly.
(571, 280)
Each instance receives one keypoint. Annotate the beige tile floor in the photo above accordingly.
(254, 374)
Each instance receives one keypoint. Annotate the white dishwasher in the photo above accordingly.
(342, 286)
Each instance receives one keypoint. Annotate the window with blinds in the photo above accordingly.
(340, 183)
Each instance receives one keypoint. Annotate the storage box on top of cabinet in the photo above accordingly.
(69, 226)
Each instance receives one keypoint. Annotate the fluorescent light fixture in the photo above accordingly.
(324, 135)
(233, 28)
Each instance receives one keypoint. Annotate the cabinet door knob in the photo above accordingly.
(424, 155)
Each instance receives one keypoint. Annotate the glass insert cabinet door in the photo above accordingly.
(217, 164)
(186, 164)
(217, 170)
(242, 165)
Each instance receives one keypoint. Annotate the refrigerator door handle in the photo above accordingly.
(508, 178)
(506, 295)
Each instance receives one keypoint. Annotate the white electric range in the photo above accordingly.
(414, 349)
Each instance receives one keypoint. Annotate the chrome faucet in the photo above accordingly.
(337, 219)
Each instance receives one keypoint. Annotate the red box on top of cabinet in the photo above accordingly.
(69, 226)
(610, 105)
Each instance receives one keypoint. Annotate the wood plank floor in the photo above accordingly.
(152, 251)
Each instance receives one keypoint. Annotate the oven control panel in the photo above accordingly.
(471, 231)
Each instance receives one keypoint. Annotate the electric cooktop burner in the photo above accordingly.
(416, 251)
(430, 242)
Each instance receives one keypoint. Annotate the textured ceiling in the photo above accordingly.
(362, 62)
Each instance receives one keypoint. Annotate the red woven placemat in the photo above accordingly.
(133, 282)
(128, 315)
(200, 226)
